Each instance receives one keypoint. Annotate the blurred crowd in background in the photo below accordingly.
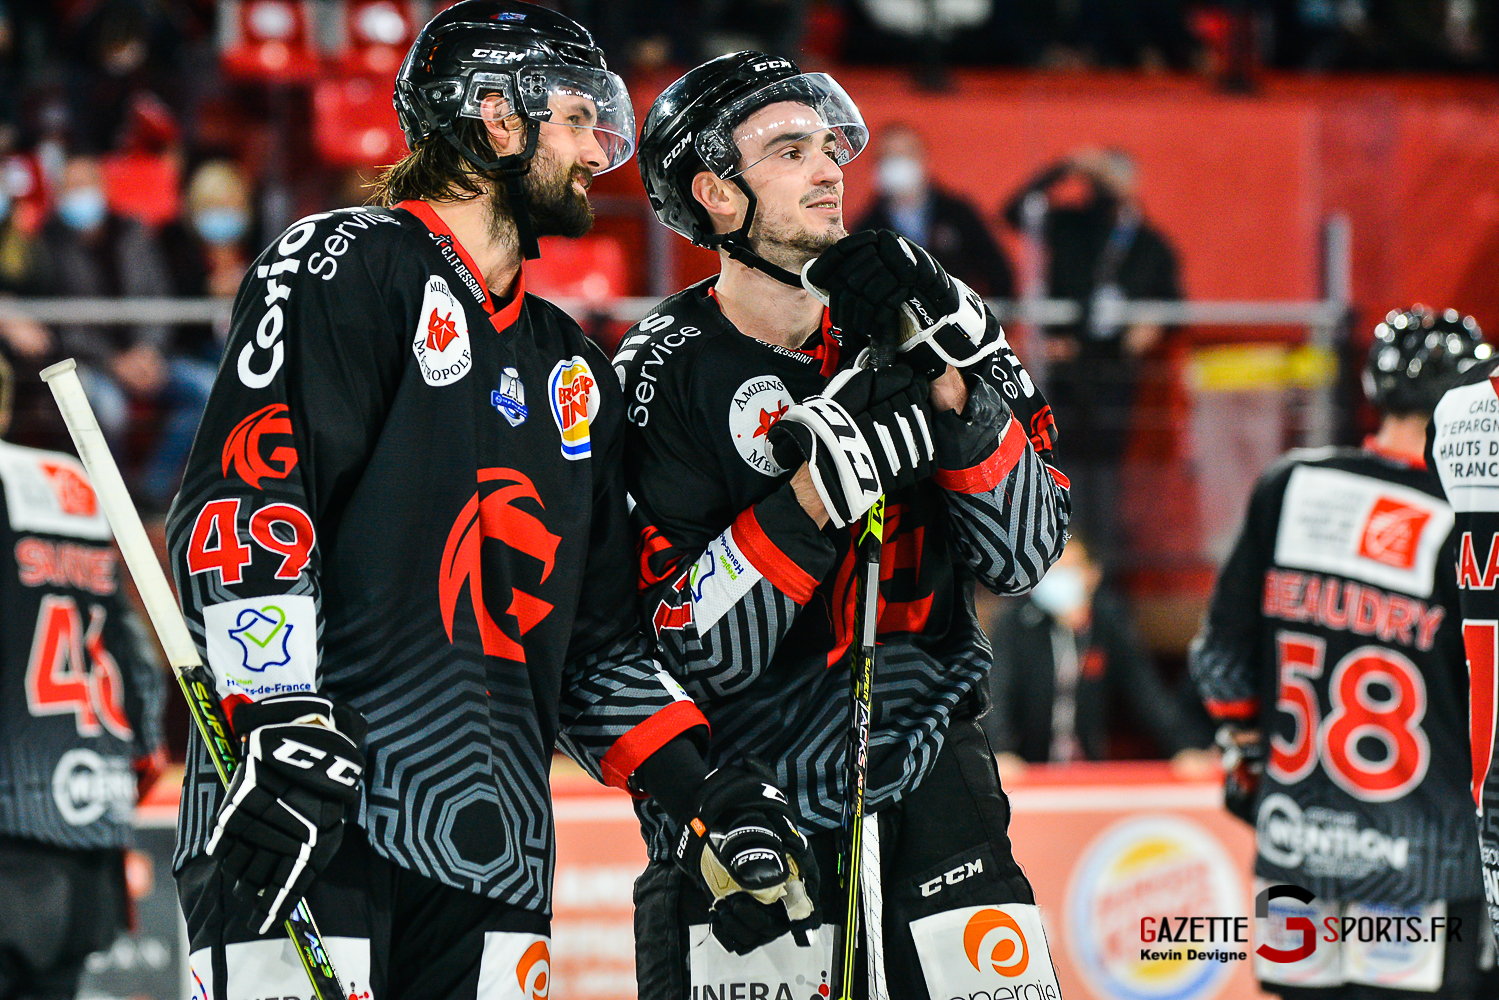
(147, 151)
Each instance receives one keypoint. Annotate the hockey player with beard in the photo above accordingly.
(403, 542)
(756, 443)
(1332, 653)
(1461, 446)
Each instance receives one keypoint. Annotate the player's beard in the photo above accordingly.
(555, 205)
(790, 242)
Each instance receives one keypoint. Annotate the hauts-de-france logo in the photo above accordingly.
(1392, 535)
(263, 634)
(573, 393)
(441, 343)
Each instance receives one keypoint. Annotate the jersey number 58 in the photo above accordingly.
(1374, 693)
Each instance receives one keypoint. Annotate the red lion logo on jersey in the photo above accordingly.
(1393, 533)
(242, 448)
(496, 515)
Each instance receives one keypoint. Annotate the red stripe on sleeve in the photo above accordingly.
(991, 471)
(776, 566)
(645, 739)
(1236, 710)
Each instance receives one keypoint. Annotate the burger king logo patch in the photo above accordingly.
(573, 393)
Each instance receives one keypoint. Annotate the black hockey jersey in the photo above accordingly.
(1463, 448)
(410, 498)
(1334, 630)
(81, 691)
(753, 606)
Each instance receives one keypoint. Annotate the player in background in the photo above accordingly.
(1332, 650)
(754, 448)
(81, 696)
(403, 544)
(1463, 448)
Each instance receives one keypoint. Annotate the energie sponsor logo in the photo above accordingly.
(994, 952)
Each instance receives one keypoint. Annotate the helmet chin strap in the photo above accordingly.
(737, 245)
(511, 169)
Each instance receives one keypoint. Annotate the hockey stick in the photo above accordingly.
(868, 550)
(171, 630)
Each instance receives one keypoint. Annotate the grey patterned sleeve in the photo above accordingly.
(619, 707)
(719, 621)
(1009, 514)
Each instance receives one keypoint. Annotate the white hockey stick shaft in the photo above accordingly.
(140, 557)
(171, 631)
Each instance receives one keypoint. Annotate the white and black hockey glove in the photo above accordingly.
(868, 432)
(878, 283)
(757, 867)
(283, 815)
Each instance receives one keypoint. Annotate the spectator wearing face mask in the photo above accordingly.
(1062, 658)
(209, 250)
(948, 227)
(93, 253)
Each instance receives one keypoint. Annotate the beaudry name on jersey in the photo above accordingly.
(752, 605)
(1463, 447)
(1335, 629)
(80, 694)
(411, 501)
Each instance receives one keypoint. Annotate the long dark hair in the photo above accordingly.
(434, 170)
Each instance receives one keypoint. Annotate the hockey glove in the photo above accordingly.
(880, 283)
(867, 433)
(754, 863)
(1243, 766)
(283, 815)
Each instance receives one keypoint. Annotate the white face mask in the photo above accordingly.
(1061, 592)
(900, 175)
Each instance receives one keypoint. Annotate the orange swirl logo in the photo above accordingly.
(996, 938)
(534, 971)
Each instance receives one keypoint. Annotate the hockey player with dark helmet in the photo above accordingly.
(1332, 656)
(691, 127)
(526, 56)
(1417, 355)
(759, 438)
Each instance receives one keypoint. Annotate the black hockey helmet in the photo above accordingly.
(530, 56)
(691, 127)
(1417, 355)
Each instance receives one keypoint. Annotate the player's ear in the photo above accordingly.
(506, 130)
(723, 200)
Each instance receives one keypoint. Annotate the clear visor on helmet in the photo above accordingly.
(591, 100)
(800, 108)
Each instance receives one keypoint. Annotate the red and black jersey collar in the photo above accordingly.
(501, 319)
(826, 350)
(1415, 461)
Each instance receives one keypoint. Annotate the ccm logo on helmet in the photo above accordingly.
(761, 67)
(676, 151)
